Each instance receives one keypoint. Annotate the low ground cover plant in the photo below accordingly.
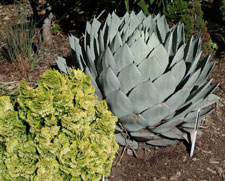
(57, 131)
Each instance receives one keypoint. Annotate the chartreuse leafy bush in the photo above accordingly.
(149, 75)
(57, 131)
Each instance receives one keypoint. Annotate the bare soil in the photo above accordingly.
(151, 163)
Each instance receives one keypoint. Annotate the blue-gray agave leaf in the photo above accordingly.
(152, 79)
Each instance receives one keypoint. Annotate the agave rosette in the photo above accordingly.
(150, 77)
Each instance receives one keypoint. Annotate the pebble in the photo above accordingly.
(129, 152)
(211, 170)
(175, 177)
(213, 161)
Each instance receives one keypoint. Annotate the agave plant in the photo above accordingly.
(150, 77)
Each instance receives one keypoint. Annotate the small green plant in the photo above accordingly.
(210, 46)
(56, 132)
(21, 44)
(55, 27)
(213, 44)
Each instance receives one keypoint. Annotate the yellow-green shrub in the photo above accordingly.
(57, 131)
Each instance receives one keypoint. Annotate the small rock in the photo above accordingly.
(195, 159)
(220, 172)
(207, 152)
(163, 178)
(184, 158)
(129, 152)
(213, 161)
(211, 170)
(6, 18)
(223, 164)
(175, 177)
